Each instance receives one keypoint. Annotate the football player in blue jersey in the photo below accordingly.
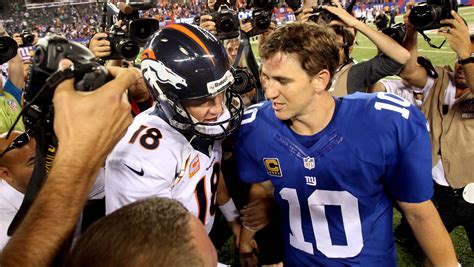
(334, 165)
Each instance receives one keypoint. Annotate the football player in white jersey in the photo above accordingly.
(174, 148)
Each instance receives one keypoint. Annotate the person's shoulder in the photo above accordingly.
(257, 119)
(149, 136)
(258, 124)
(381, 110)
(258, 113)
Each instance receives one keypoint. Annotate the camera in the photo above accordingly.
(121, 46)
(261, 20)
(320, 14)
(27, 38)
(43, 78)
(427, 15)
(261, 16)
(244, 80)
(8, 49)
(396, 32)
(125, 44)
(227, 22)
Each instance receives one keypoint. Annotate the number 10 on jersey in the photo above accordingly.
(317, 202)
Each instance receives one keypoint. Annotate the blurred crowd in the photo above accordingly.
(81, 20)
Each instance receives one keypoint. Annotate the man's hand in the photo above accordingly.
(247, 256)
(2, 31)
(256, 215)
(343, 15)
(246, 27)
(17, 38)
(99, 45)
(303, 14)
(84, 119)
(138, 91)
(236, 227)
(457, 35)
(207, 24)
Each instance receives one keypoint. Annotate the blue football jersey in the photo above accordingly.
(335, 195)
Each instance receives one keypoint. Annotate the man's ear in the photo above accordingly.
(5, 174)
(321, 80)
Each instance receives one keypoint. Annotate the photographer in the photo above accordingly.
(381, 20)
(55, 212)
(100, 45)
(350, 77)
(448, 106)
(10, 91)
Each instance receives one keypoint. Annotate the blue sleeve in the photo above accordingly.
(409, 179)
(13, 90)
(246, 151)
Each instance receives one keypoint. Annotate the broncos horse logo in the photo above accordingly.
(154, 70)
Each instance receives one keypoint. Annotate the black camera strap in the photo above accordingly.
(245, 49)
(428, 40)
(46, 144)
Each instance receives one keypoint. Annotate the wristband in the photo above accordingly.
(229, 211)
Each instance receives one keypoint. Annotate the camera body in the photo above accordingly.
(427, 15)
(227, 22)
(397, 32)
(320, 14)
(27, 38)
(39, 89)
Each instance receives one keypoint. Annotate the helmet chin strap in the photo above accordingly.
(213, 129)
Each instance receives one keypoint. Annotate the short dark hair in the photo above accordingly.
(313, 44)
(347, 36)
(149, 232)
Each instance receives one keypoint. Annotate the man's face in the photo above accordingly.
(287, 86)
(210, 4)
(206, 110)
(340, 46)
(459, 78)
(18, 161)
(232, 47)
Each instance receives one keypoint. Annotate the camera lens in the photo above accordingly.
(142, 33)
(423, 16)
(141, 29)
(396, 32)
(243, 82)
(127, 49)
(38, 56)
(29, 38)
(227, 25)
(8, 49)
(262, 23)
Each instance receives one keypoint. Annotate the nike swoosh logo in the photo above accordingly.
(139, 173)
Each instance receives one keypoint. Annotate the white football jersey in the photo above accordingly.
(154, 159)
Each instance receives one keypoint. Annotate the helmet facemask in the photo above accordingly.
(180, 118)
